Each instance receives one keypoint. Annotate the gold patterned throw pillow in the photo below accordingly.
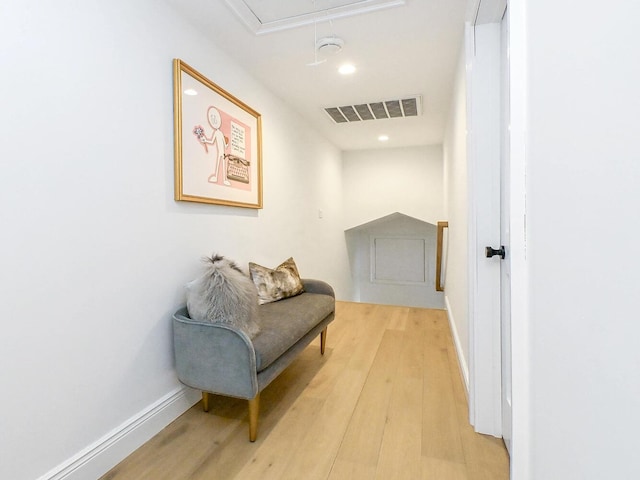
(273, 285)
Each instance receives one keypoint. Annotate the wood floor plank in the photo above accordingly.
(317, 451)
(270, 458)
(362, 440)
(398, 318)
(438, 469)
(339, 353)
(412, 355)
(436, 325)
(441, 430)
(345, 470)
(346, 312)
(385, 401)
(401, 449)
(371, 328)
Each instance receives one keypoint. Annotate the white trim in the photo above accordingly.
(521, 322)
(462, 362)
(469, 50)
(99, 457)
(469, 39)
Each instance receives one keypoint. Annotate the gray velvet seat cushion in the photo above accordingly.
(285, 322)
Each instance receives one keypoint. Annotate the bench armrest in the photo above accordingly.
(214, 357)
(317, 286)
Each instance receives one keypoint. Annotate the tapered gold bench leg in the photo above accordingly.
(254, 408)
(205, 401)
(323, 340)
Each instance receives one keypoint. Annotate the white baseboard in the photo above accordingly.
(98, 458)
(462, 362)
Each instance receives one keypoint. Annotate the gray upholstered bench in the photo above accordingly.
(221, 359)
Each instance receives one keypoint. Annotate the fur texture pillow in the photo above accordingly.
(223, 294)
(273, 285)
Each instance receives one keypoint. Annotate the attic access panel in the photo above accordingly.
(265, 16)
(399, 260)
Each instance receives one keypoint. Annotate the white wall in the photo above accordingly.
(456, 213)
(94, 249)
(582, 78)
(377, 183)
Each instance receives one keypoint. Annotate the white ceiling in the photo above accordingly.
(398, 51)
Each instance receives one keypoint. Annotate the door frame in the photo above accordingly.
(520, 321)
(484, 390)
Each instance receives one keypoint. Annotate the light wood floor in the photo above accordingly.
(386, 401)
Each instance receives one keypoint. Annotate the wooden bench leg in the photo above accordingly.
(323, 340)
(205, 401)
(254, 408)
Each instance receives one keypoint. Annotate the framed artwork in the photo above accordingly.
(217, 143)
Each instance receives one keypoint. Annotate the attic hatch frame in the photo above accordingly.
(248, 16)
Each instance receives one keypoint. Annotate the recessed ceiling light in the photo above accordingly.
(383, 138)
(190, 91)
(347, 69)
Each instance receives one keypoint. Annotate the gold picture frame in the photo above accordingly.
(217, 143)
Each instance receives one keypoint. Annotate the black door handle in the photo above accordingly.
(490, 252)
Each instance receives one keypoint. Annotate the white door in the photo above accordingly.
(505, 264)
(490, 347)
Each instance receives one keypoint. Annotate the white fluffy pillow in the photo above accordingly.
(223, 294)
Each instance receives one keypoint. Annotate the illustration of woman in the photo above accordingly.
(218, 143)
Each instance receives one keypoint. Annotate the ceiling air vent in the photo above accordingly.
(404, 107)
